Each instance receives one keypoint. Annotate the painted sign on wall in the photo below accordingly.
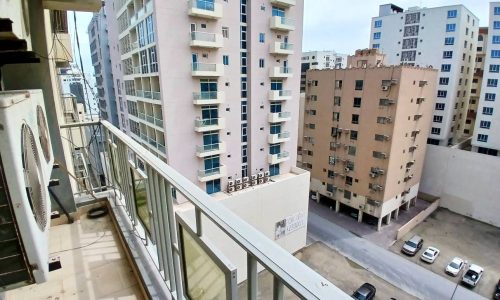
(290, 224)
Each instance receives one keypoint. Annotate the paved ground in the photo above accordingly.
(384, 238)
(456, 235)
(341, 271)
(395, 269)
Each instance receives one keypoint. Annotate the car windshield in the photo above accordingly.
(471, 275)
(428, 253)
(359, 296)
(454, 265)
(411, 244)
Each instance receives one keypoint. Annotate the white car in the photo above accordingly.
(473, 275)
(430, 254)
(455, 266)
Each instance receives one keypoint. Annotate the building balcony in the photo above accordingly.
(213, 149)
(205, 9)
(282, 24)
(207, 98)
(283, 3)
(281, 95)
(207, 70)
(278, 158)
(206, 40)
(212, 174)
(278, 137)
(148, 94)
(280, 72)
(281, 48)
(203, 125)
(279, 117)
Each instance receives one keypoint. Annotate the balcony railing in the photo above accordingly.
(206, 40)
(204, 98)
(281, 48)
(212, 149)
(203, 125)
(205, 9)
(280, 95)
(282, 23)
(279, 117)
(278, 158)
(280, 72)
(207, 70)
(164, 254)
(279, 137)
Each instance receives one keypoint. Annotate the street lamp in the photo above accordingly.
(466, 263)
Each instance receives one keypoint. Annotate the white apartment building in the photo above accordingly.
(442, 37)
(212, 87)
(101, 60)
(486, 137)
(319, 60)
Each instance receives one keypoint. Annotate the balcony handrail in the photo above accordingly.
(203, 36)
(283, 135)
(206, 122)
(208, 148)
(287, 270)
(203, 4)
(285, 93)
(204, 67)
(283, 154)
(156, 95)
(287, 21)
(286, 46)
(212, 95)
(148, 94)
(284, 114)
(285, 70)
(209, 172)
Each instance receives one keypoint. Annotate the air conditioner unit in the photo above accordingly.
(25, 167)
(385, 88)
(422, 83)
(408, 169)
(347, 169)
(253, 177)
(254, 182)
(239, 187)
(246, 179)
(373, 175)
(246, 185)
(239, 181)
(230, 183)
(261, 180)
(267, 174)
(266, 179)
(230, 189)
(329, 194)
(260, 175)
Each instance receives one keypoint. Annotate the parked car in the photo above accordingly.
(413, 245)
(365, 292)
(314, 197)
(496, 295)
(430, 254)
(473, 275)
(455, 266)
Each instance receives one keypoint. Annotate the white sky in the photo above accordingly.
(340, 25)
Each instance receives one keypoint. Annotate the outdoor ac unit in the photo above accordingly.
(266, 179)
(238, 181)
(328, 194)
(246, 179)
(230, 183)
(261, 180)
(388, 120)
(246, 185)
(340, 190)
(260, 175)
(267, 174)
(422, 83)
(253, 177)
(373, 175)
(254, 182)
(408, 169)
(347, 169)
(25, 168)
(239, 187)
(385, 88)
(230, 189)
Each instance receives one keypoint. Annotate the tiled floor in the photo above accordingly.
(93, 262)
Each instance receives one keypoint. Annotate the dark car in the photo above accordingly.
(365, 292)
(496, 296)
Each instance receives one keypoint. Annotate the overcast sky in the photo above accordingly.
(340, 25)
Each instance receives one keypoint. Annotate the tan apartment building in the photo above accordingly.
(365, 133)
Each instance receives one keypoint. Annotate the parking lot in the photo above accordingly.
(456, 235)
(342, 272)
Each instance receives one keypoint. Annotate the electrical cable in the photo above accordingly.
(80, 247)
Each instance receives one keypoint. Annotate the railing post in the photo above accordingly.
(199, 226)
(277, 289)
(252, 279)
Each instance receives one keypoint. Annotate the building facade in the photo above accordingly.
(477, 80)
(486, 137)
(101, 60)
(444, 38)
(319, 60)
(212, 87)
(365, 133)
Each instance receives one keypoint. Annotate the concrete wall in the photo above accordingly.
(262, 207)
(466, 182)
(416, 220)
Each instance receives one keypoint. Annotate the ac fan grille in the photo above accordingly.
(43, 133)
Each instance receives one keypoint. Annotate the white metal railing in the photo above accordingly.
(204, 67)
(203, 36)
(124, 156)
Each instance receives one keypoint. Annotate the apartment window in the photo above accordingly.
(442, 94)
(336, 116)
(244, 112)
(243, 62)
(489, 96)
(496, 39)
(331, 174)
(351, 150)
(261, 63)
(153, 60)
(141, 34)
(381, 137)
(492, 83)
(496, 25)
(347, 194)
(485, 124)
(376, 35)
(262, 37)
(438, 119)
(278, 12)
(449, 41)
(496, 11)
(274, 149)
(378, 24)
(487, 111)
(450, 27)
(408, 55)
(378, 154)
(244, 153)
(447, 54)
(359, 85)
(338, 84)
(213, 186)
(410, 43)
(482, 138)
(354, 135)
(412, 18)
(336, 101)
(355, 119)
(376, 46)
(440, 106)
(411, 30)
(150, 29)
(452, 14)
(435, 130)
(144, 62)
(445, 68)
(348, 180)
(274, 169)
(211, 139)
(495, 53)
(494, 68)
(357, 102)
(444, 80)
(382, 120)
(331, 160)
(225, 60)
(225, 32)
(244, 137)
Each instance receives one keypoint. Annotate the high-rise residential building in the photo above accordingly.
(101, 60)
(71, 82)
(442, 37)
(477, 80)
(212, 87)
(318, 60)
(486, 137)
(365, 134)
